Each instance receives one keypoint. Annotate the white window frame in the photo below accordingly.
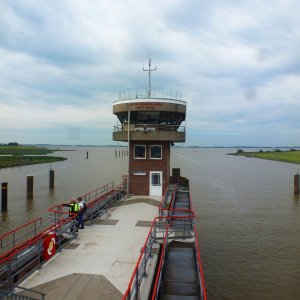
(160, 152)
(145, 151)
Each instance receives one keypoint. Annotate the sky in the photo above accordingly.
(236, 63)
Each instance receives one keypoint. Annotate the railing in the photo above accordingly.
(59, 212)
(139, 271)
(95, 194)
(158, 93)
(20, 233)
(160, 266)
(102, 204)
(199, 265)
(149, 127)
(161, 229)
(27, 256)
(171, 224)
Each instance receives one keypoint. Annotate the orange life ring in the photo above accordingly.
(49, 246)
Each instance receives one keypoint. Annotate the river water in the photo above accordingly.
(247, 216)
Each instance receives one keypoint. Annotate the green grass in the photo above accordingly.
(25, 155)
(34, 150)
(291, 156)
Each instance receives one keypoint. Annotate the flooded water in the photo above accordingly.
(248, 218)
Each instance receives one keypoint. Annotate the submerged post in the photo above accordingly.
(87, 154)
(296, 183)
(51, 179)
(29, 186)
(3, 196)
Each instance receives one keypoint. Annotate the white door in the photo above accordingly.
(155, 183)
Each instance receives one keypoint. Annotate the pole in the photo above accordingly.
(4, 196)
(128, 152)
(29, 186)
(51, 179)
(296, 183)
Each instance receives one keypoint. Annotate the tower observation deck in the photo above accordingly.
(159, 118)
(150, 121)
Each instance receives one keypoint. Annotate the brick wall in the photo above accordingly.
(139, 184)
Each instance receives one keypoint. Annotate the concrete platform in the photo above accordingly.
(100, 262)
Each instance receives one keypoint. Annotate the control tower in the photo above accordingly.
(151, 121)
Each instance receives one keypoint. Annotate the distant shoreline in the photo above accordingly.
(290, 156)
(17, 156)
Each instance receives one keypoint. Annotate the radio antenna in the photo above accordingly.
(149, 80)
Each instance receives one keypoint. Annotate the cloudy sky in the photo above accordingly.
(236, 63)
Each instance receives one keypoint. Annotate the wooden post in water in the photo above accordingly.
(3, 196)
(87, 154)
(51, 179)
(296, 183)
(29, 186)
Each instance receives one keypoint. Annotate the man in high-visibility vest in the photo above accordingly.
(73, 207)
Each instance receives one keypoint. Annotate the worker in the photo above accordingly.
(73, 207)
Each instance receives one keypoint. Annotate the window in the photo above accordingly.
(155, 179)
(155, 152)
(139, 151)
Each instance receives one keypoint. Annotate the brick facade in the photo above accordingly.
(139, 184)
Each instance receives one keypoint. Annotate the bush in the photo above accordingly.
(240, 151)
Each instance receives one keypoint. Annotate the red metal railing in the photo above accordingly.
(52, 228)
(132, 288)
(159, 271)
(199, 263)
(17, 234)
(22, 245)
(135, 274)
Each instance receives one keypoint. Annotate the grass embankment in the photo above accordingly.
(291, 156)
(25, 155)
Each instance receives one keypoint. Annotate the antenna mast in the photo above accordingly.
(149, 80)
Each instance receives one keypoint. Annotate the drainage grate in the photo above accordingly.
(144, 223)
(71, 246)
(107, 222)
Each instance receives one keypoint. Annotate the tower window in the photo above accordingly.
(155, 152)
(139, 151)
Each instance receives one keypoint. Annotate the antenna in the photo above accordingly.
(149, 80)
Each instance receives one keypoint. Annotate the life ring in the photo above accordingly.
(49, 246)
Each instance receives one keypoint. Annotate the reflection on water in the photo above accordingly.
(247, 216)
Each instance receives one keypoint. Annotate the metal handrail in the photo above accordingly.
(162, 225)
(157, 93)
(15, 231)
(160, 266)
(150, 127)
(199, 264)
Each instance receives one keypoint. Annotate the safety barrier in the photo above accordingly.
(199, 265)
(172, 224)
(30, 245)
(98, 202)
(19, 263)
(162, 228)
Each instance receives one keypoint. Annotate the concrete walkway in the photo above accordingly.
(99, 264)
